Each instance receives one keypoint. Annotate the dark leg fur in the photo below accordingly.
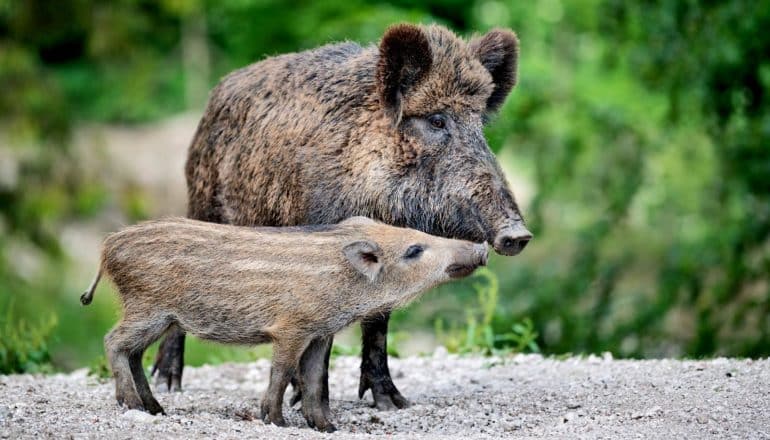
(124, 346)
(117, 356)
(325, 379)
(313, 382)
(297, 397)
(170, 361)
(142, 386)
(374, 365)
(285, 359)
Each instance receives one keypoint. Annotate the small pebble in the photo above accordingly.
(139, 416)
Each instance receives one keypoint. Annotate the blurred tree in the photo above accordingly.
(644, 128)
(712, 57)
(664, 145)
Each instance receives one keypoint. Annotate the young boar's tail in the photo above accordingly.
(88, 295)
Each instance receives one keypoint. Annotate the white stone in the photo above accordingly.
(139, 416)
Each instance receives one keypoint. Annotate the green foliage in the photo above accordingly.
(339, 349)
(638, 129)
(479, 334)
(647, 149)
(100, 368)
(198, 352)
(24, 347)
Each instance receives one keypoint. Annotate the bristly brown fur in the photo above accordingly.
(498, 52)
(405, 59)
(242, 285)
(305, 138)
(393, 132)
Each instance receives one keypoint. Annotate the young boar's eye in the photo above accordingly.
(437, 121)
(414, 251)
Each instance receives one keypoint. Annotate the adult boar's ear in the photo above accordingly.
(365, 256)
(498, 51)
(405, 59)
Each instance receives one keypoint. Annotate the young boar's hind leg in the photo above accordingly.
(117, 347)
(125, 346)
(297, 397)
(314, 384)
(170, 361)
(286, 355)
(374, 365)
(142, 386)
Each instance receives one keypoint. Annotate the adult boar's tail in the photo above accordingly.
(88, 295)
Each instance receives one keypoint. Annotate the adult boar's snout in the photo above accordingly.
(512, 240)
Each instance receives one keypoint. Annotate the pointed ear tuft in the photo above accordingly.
(498, 52)
(405, 59)
(365, 256)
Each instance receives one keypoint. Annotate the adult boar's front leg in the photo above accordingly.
(170, 361)
(375, 375)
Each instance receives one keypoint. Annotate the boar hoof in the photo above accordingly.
(277, 421)
(130, 401)
(316, 418)
(386, 395)
(328, 427)
(169, 363)
(165, 379)
(269, 417)
(153, 407)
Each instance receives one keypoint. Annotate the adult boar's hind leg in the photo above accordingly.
(169, 361)
(375, 375)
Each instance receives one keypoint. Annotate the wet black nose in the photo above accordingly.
(512, 240)
(510, 245)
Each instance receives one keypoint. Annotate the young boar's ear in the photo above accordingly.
(365, 256)
(405, 58)
(498, 51)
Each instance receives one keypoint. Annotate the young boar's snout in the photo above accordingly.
(468, 260)
(512, 240)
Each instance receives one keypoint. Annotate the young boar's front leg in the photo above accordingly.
(313, 381)
(375, 374)
(286, 355)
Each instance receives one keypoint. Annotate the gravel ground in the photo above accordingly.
(460, 397)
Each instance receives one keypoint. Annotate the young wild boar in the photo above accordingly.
(294, 287)
(393, 132)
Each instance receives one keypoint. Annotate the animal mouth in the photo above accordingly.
(460, 270)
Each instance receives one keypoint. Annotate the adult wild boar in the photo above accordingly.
(392, 132)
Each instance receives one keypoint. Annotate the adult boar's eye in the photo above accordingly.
(413, 252)
(437, 121)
